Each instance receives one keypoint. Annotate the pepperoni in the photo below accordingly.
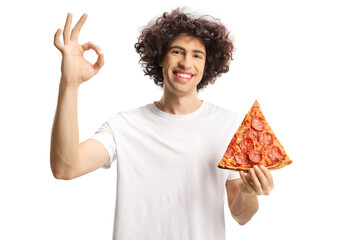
(229, 152)
(274, 153)
(242, 158)
(265, 139)
(233, 140)
(255, 156)
(258, 123)
(246, 145)
(251, 133)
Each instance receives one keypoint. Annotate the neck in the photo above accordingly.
(179, 105)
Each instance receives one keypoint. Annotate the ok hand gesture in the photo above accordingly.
(75, 69)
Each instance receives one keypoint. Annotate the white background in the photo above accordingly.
(300, 59)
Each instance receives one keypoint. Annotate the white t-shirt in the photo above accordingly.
(168, 183)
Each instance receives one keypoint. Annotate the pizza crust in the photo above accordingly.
(281, 164)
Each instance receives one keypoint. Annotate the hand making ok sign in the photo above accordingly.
(75, 69)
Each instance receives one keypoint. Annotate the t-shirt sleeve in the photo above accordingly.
(106, 137)
(233, 175)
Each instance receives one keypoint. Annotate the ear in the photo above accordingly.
(161, 61)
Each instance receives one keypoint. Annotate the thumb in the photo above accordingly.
(99, 63)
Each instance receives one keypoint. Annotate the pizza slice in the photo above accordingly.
(254, 143)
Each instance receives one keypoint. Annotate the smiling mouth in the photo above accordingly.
(183, 76)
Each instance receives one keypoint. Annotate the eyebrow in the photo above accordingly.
(183, 49)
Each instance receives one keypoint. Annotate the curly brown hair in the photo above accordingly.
(157, 36)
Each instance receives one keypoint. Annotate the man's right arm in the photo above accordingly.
(68, 158)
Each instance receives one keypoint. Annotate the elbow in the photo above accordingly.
(61, 173)
(62, 176)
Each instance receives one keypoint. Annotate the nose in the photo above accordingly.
(186, 62)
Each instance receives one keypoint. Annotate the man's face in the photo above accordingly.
(183, 65)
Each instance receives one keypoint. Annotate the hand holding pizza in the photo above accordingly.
(75, 69)
(258, 180)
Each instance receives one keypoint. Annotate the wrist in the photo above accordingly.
(67, 83)
(69, 88)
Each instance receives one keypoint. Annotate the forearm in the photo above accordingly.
(64, 152)
(244, 206)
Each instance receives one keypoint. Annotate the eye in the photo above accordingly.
(198, 56)
(176, 52)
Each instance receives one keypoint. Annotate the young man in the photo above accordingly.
(168, 185)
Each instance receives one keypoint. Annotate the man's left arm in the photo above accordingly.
(242, 193)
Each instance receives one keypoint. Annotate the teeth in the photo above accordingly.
(183, 75)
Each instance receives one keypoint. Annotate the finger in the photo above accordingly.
(245, 184)
(268, 176)
(248, 177)
(76, 30)
(67, 27)
(243, 178)
(255, 180)
(57, 42)
(100, 60)
(99, 63)
(263, 181)
(93, 46)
